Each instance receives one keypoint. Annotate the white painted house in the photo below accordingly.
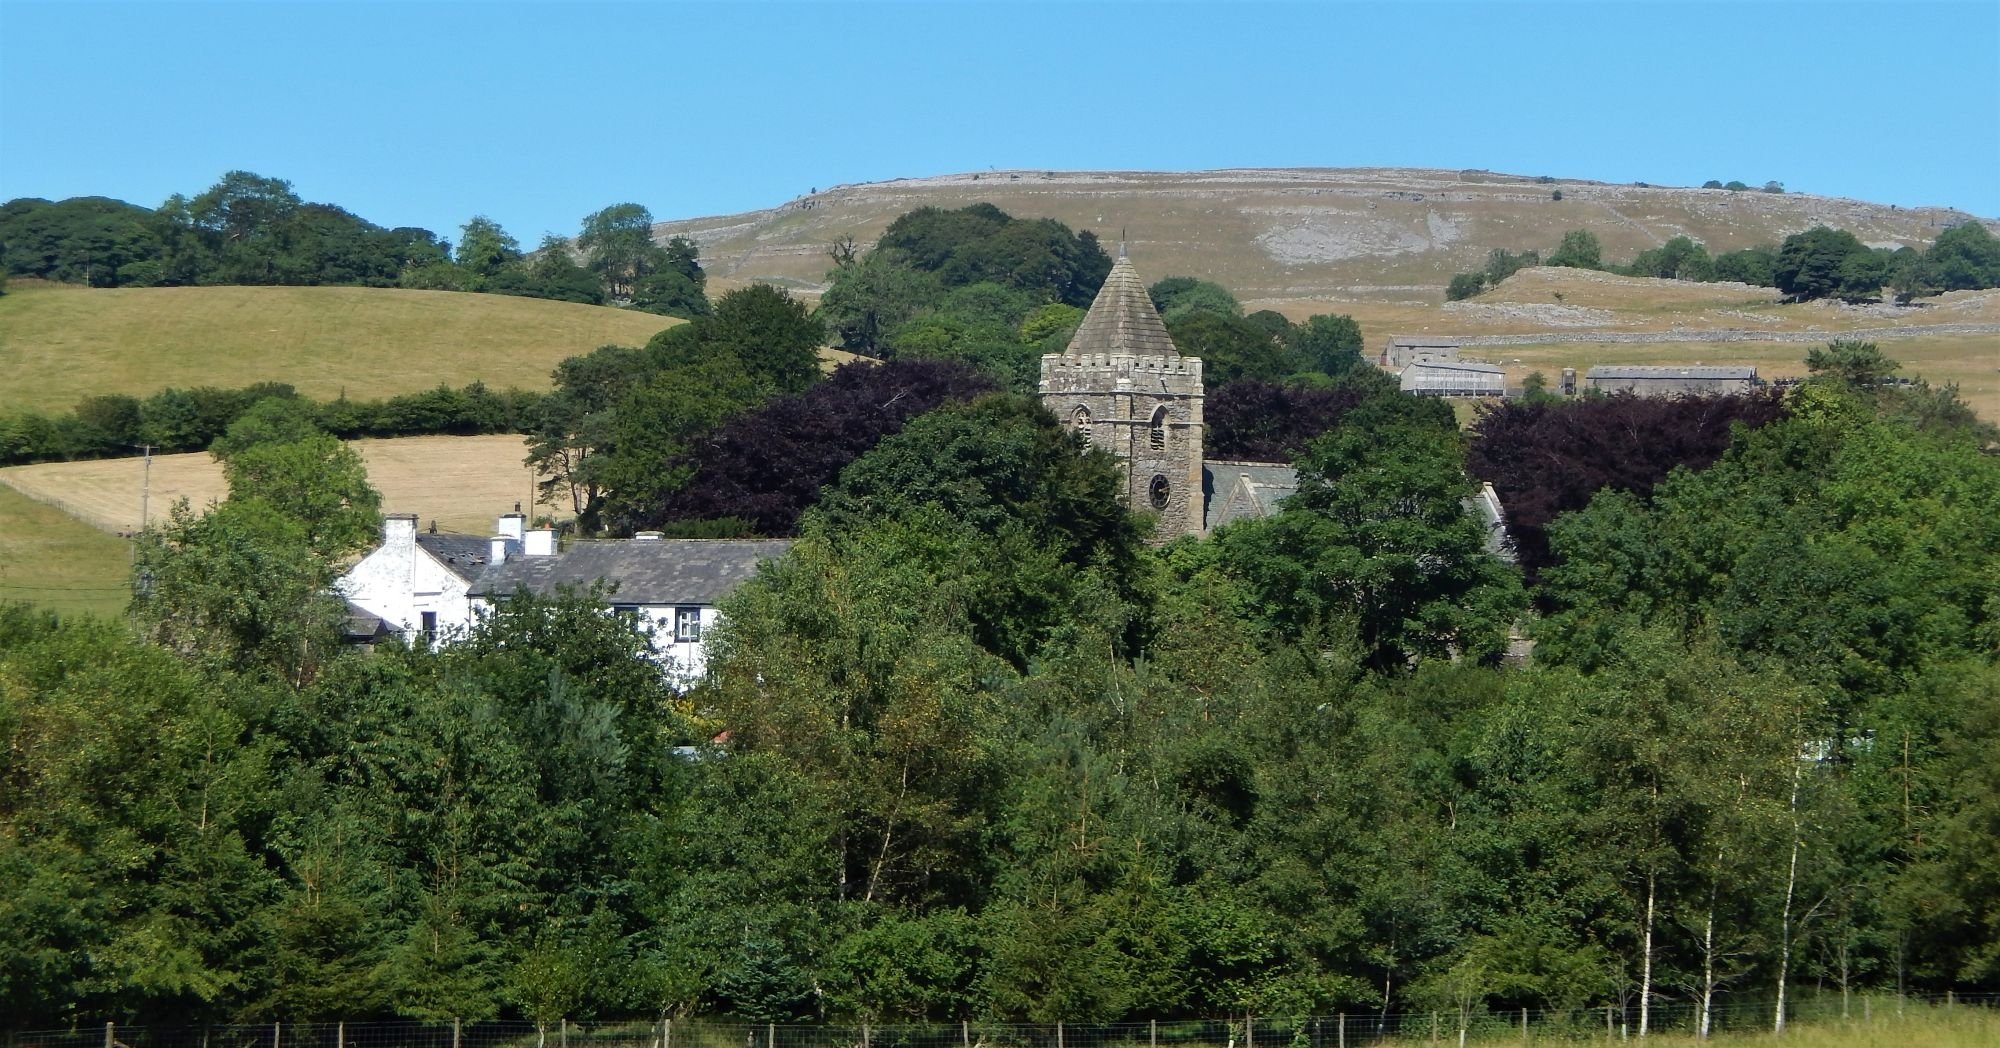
(414, 584)
(670, 585)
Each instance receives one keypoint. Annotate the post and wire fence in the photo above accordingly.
(1443, 1026)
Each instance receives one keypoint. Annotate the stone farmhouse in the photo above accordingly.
(1126, 389)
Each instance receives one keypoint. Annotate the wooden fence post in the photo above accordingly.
(1249, 1031)
(770, 1035)
(1609, 1033)
(1342, 1028)
(864, 1035)
(965, 1032)
(562, 1033)
(1868, 1010)
(1524, 1024)
(1152, 1033)
(454, 1032)
(278, 1037)
(1059, 1034)
(669, 1034)
(1434, 1027)
(110, 1037)
(340, 1035)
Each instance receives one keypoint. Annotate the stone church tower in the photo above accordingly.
(1122, 383)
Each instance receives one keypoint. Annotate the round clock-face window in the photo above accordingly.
(1160, 491)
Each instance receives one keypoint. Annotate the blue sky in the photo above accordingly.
(417, 113)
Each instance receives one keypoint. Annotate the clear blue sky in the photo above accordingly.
(415, 113)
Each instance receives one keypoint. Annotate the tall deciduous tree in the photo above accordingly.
(617, 245)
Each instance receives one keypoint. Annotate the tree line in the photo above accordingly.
(253, 229)
(1819, 263)
(113, 425)
(974, 748)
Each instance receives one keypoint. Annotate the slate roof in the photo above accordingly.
(1122, 319)
(646, 571)
(1266, 484)
(1671, 371)
(463, 555)
(362, 625)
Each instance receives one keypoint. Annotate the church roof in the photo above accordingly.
(1122, 319)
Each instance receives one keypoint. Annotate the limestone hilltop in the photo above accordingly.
(1369, 233)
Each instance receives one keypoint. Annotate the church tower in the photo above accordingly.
(1122, 383)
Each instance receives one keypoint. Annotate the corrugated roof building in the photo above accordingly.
(1454, 378)
(1666, 380)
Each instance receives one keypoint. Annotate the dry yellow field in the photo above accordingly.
(60, 343)
(462, 483)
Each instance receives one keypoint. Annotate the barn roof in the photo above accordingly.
(645, 571)
(1670, 371)
(1122, 319)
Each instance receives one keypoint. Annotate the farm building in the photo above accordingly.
(1405, 350)
(1671, 379)
(1454, 378)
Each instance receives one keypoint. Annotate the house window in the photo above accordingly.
(428, 626)
(687, 624)
(1159, 436)
(627, 613)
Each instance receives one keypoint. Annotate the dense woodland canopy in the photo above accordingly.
(974, 748)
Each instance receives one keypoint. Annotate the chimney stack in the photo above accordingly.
(512, 526)
(540, 542)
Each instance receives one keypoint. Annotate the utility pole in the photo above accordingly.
(146, 487)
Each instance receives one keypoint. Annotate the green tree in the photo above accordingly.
(617, 245)
(484, 249)
(1852, 364)
(316, 482)
(1579, 250)
(1963, 257)
(1816, 264)
(1180, 297)
(1327, 343)
(1464, 286)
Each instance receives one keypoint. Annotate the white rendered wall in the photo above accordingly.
(399, 582)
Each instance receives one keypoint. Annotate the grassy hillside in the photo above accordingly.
(54, 560)
(1386, 233)
(59, 342)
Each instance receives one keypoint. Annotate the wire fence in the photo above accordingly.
(1338, 1030)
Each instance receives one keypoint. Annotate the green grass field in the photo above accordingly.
(59, 343)
(51, 559)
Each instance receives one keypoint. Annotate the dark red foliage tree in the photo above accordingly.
(1550, 458)
(1255, 421)
(767, 466)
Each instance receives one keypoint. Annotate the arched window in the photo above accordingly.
(1081, 420)
(1159, 436)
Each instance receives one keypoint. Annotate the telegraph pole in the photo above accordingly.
(146, 487)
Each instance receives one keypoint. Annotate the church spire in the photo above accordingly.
(1122, 318)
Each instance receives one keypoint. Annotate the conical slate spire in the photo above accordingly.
(1122, 319)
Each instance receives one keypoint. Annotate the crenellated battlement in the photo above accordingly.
(1106, 371)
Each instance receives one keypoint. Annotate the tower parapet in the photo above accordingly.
(1125, 387)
